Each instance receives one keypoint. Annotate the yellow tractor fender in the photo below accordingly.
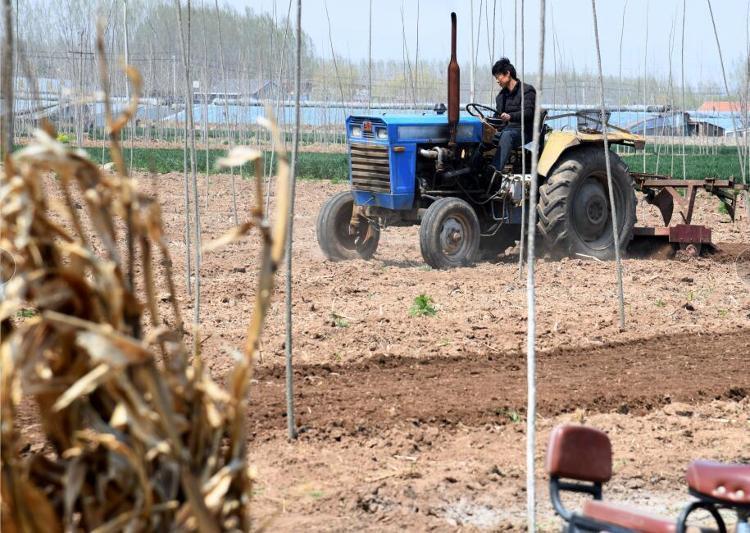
(558, 142)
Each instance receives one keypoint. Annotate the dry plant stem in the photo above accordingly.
(124, 413)
(115, 128)
(274, 239)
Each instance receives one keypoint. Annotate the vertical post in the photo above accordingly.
(531, 294)
(291, 427)
(683, 120)
(747, 104)
(619, 85)
(610, 184)
(190, 130)
(127, 85)
(645, 81)
(369, 65)
(174, 93)
(471, 64)
(523, 142)
(726, 88)
(7, 83)
(79, 102)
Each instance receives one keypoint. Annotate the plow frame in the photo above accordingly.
(663, 192)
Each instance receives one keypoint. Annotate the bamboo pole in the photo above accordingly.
(226, 107)
(291, 427)
(684, 125)
(610, 184)
(369, 60)
(747, 104)
(204, 108)
(472, 87)
(523, 142)
(194, 179)
(6, 131)
(531, 292)
(726, 88)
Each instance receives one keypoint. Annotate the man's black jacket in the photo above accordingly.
(510, 102)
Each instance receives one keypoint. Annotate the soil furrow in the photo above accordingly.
(637, 377)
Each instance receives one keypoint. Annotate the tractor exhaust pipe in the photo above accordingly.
(454, 85)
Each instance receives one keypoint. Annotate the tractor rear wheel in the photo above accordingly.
(338, 240)
(449, 234)
(575, 215)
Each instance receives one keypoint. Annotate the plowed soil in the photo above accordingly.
(417, 423)
(636, 378)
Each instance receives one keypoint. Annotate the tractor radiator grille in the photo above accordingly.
(370, 169)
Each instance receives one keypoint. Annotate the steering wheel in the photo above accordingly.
(475, 110)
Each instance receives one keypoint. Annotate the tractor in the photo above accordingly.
(435, 171)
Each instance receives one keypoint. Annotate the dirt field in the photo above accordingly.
(419, 423)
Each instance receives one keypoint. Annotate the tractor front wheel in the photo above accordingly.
(575, 214)
(449, 234)
(337, 238)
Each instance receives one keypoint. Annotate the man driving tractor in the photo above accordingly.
(508, 105)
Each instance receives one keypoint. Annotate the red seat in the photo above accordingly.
(629, 517)
(729, 483)
(579, 452)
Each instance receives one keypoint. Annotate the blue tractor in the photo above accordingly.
(434, 171)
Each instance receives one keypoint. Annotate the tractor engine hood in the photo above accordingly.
(422, 129)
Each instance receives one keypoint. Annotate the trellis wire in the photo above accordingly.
(610, 185)
(531, 295)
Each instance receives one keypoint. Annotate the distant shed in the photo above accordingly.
(721, 107)
(676, 124)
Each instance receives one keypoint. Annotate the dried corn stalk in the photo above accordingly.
(138, 437)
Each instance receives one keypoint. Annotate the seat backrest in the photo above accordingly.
(729, 483)
(579, 452)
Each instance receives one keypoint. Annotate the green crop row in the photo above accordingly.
(310, 165)
(722, 164)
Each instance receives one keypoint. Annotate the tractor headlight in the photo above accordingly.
(356, 131)
(382, 133)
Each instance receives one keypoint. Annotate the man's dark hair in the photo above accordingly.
(502, 66)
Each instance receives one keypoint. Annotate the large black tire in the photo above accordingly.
(575, 216)
(449, 234)
(334, 237)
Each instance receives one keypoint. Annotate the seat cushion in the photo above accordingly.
(726, 482)
(627, 516)
(579, 452)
